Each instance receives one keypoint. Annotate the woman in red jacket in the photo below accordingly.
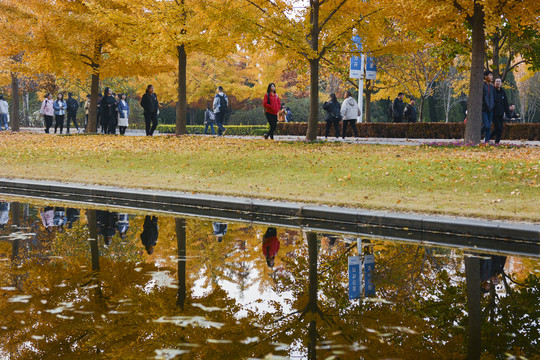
(272, 105)
(270, 246)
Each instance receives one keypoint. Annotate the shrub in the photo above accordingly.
(416, 130)
(252, 130)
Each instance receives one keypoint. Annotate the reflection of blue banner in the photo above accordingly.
(355, 277)
(369, 268)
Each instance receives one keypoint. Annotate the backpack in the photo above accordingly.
(222, 104)
(336, 112)
(211, 115)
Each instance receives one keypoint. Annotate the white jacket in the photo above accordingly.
(349, 109)
(4, 107)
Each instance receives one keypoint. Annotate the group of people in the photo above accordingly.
(58, 109)
(400, 112)
(335, 113)
(112, 112)
(216, 113)
(495, 108)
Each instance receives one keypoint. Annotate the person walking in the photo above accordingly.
(514, 116)
(123, 114)
(47, 110)
(410, 112)
(488, 103)
(397, 109)
(333, 115)
(500, 110)
(209, 120)
(289, 114)
(72, 108)
(108, 112)
(272, 104)
(4, 113)
(221, 105)
(59, 106)
(282, 114)
(150, 104)
(349, 113)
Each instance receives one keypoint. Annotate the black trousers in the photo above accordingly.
(48, 122)
(112, 127)
(346, 123)
(272, 121)
(72, 117)
(397, 119)
(58, 123)
(498, 122)
(122, 130)
(329, 124)
(150, 118)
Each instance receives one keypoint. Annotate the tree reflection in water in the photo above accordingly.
(195, 297)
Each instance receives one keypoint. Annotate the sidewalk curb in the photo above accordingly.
(523, 238)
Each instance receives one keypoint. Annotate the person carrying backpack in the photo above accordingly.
(333, 115)
(221, 105)
(72, 108)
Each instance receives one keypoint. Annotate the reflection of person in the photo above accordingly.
(47, 217)
(106, 222)
(149, 235)
(270, 246)
(59, 218)
(72, 215)
(491, 266)
(122, 225)
(220, 229)
(4, 213)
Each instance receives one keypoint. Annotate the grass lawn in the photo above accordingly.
(497, 183)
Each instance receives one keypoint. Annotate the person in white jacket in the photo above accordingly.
(4, 113)
(349, 113)
(47, 110)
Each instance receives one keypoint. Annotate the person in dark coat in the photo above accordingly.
(488, 103)
(410, 112)
(72, 215)
(72, 108)
(500, 109)
(150, 233)
(270, 246)
(150, 104)
(108, 112)
(333, 115)
(397, 108)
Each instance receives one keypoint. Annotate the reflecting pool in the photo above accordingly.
(103, 283)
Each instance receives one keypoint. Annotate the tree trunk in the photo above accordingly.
(368, 92)
(313, 122)
(474, 106)
(180, 225)
(472, 274)
(421, 109)
(449, 99)
(92, 112)
(15, 118)
(24, 120)
(94, 89)
(181, 104)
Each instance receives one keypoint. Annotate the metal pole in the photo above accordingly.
(361, 99)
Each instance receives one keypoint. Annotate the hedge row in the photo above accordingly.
(415, 130)
(254, 130)
(375, 130)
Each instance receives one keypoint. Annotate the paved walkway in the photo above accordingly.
(350, 140)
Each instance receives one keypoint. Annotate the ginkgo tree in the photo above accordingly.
(305, 32)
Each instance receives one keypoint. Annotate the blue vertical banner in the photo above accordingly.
(369, 269)
(355, 277)
(371, 68)
(357, 67)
